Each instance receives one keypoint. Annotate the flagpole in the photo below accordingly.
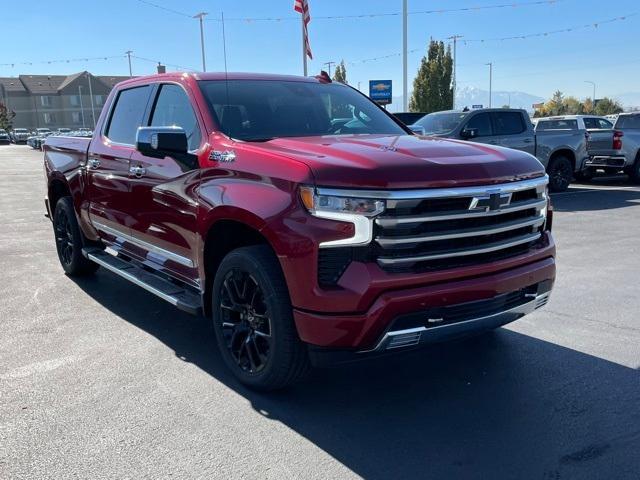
(304, 46)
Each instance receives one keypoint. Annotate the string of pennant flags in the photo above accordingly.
(359, 16)
(575, 28)
(593, 25)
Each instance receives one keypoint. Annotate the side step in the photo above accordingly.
(185, 299)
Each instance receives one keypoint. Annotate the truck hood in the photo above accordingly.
(405, 161)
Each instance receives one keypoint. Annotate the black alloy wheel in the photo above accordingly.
(246, 325)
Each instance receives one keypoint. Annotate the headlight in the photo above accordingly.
(358, 211)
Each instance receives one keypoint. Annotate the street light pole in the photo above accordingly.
(201, 16)
(93, 110)
(593, 103)
(405, 94)
(128, 54)
(81, 105)
(490, 81)
(455, 58)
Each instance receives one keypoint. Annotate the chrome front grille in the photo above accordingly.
(440, 228)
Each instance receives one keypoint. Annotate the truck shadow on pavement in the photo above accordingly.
(595, 197)
(503, 405)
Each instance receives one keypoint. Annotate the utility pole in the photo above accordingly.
(455, 58)
(304, 44)
(593, 104)
(128, 54)
(405, 94)
(81, 105)
(93, 110)
(490, 81)
(328, 64)
(201, 16)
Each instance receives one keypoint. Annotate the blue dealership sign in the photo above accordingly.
(380, 91)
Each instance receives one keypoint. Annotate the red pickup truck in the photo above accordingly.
(310, 225)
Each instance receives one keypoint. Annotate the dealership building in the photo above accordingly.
(56, 101)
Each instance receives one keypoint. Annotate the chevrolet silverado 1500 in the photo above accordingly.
(308, 224)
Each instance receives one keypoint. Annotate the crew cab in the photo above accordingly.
(604, 144)
(306, 237)
(561, 152)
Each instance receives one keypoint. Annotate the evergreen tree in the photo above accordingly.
(5, 117)
(432, 90)
(340, 75)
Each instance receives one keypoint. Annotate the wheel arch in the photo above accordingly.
(222, 236)
(564, 152)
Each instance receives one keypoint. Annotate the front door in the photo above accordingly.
(110, 208)
(163, 191)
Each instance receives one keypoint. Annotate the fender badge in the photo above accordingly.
(227, 156)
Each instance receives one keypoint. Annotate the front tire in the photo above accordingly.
(560, 173)
(253, 320)
(69, 240)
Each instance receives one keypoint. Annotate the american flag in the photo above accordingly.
(302, 7)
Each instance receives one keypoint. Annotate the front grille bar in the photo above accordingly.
(386, 222)
(469, 232)
(492, 247)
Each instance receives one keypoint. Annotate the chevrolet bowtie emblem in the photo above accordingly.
(492, 201)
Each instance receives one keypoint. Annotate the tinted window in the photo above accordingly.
(258, 110)
(482, 122)
(591, 123)
(508, 123)
(127, 115)
(628, 121)
(441, 122)
(174, 109)
(605, 124)
(557, 125)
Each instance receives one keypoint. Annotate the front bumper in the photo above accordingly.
(372, 330)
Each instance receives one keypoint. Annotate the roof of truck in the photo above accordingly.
(223, 76)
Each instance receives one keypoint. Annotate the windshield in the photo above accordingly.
(436, 123)
(629, 122)
(259, 110)
(20, 130)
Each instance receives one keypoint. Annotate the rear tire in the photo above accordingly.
(69, 240)
(253, 320)
(634, 170)
(560, 173)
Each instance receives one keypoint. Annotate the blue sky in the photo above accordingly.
(607, 55)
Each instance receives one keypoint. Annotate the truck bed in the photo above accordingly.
(66, 153)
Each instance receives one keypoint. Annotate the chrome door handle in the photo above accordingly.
(93, 163)
(137, 171)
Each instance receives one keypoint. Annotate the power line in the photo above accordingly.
(166, 9)
(179, 67)
(67, 60)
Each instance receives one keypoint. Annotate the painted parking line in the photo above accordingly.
(592, 189)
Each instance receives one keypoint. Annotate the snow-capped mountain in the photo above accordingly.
(469, 96)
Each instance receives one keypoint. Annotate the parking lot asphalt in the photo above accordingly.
(100, 379)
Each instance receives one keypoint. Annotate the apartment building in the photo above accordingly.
(56, 101)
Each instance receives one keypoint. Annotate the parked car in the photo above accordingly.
(4, 136)
(36, 141)
(306, 242)
(561, 153)
(629, 125)
(409, 118)
(19, 135)
(604, 144)
(63, 131)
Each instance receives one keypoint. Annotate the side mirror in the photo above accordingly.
(417, 129)
(468, 133)
(162, 142)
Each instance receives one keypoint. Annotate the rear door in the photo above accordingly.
(164, 190)
(110, 208)
(512, 131)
